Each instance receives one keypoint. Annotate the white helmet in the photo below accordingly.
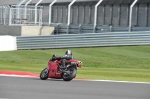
(68, 52)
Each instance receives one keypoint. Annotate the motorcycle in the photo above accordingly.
(53, 70)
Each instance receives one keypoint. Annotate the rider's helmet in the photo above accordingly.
(68, 52)
(54, 55)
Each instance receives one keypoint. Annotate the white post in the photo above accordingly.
(50, 11)
(8, 6)
(40, 17)
(4, 15)
(130, 17)
(1, 15)
(95, 14)
(36, 10)
(7, 17)
(69, 14)
(25, 12)
(10, 16)
(18, 6)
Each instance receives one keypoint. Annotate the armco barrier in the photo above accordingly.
(84, 40)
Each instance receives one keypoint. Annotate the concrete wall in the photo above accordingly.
(26, 30)
(10, 30)
(36, 30)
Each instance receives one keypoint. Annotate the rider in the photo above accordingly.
(64, 59)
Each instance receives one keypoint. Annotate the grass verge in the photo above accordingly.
(130, 63)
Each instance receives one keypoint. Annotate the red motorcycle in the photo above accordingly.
(53, 70)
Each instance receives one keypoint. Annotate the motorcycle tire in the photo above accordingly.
(44, 74)
(71, 75)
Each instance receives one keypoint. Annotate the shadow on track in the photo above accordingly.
(49, 79)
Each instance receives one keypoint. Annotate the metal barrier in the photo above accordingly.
(28, 15)
(84, 40)
(88, 28)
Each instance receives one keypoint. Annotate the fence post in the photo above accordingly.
(40, 17)
(4, 15)
(95, 15)
(57, 28)
(8, 7)
(50, 11)
(18, 6)
(36, 10)
(69, 14)
(130, 17)
(80, 28)
(25, 13)
(10, 16)
(1, 15)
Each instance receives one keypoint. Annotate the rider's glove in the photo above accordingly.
(53, 58)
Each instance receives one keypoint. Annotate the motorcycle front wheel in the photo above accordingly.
(44, 74)
(71, 75)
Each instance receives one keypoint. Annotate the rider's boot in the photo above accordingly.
(62, 68)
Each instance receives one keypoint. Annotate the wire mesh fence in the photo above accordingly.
(20, 15)
(4, 14)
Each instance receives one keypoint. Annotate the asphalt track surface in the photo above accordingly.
(34, 88)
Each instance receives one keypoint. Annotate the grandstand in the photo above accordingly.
(78, 16)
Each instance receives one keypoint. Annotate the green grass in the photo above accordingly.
(121, 74)
(131, 63)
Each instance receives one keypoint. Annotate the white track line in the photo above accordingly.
(121, 81)
(115, 81)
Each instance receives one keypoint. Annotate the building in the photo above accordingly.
(111, 15)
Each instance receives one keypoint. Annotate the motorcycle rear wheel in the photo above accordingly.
(70, 76)
(44, 74)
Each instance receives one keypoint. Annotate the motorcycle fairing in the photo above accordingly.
(53, 70)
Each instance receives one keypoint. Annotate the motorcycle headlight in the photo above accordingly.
(79, 63)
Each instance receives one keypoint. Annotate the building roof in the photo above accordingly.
(9, 2)
(5, 2)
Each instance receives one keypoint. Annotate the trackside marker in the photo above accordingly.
(18, 74)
